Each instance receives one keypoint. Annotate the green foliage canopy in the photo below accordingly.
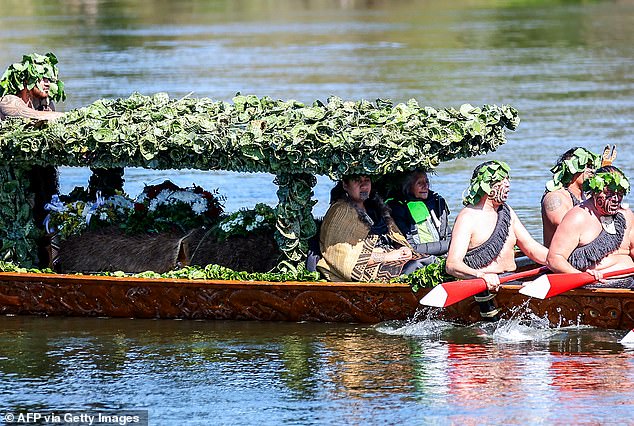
(258, 135)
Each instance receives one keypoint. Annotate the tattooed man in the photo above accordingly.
(565, 189)
(26, 88)
(596, 236)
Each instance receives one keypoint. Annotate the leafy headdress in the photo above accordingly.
(569, 164)
(484, 176)
(31, 70)
(609, 177)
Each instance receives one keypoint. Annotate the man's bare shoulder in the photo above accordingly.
(627, 212)
(555, 200)
(468, 219)
(576, 216)
(468, 212)
(513, 214)
(11, 101)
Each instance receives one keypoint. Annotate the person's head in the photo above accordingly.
(576, 164)
(356, 188)
(416, 185)
(608, 185)
(36, 74)
(490, 179)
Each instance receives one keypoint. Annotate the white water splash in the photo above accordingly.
(522, 326)
(426, 323)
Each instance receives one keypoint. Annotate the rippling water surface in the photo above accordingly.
(565, 65)
(217, 372)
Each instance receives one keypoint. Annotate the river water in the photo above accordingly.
(565, 65)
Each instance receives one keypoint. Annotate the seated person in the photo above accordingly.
(358, 238)
(565, 190)
(486, 232)
(422, 216)
(596, 236)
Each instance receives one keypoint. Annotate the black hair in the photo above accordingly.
(338, 193)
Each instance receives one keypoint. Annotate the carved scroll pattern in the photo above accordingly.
(293, 302)
(205, 302)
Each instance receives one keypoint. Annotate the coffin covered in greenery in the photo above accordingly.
(289, 139)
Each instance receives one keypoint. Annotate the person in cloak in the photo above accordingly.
(596, 236)
(422, 215)
(485, 234)
(358, 238)
(565, 189)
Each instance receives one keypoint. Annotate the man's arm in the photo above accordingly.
(565, 240)
(630, 220)
(554, 207)
(13, 106)
(527, 243)
(460, 238)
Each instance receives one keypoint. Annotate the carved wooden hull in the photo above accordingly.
(72, 295)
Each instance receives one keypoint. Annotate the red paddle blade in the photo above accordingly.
(447, 294)
(551, 285)
(628, 339)
(554, 284)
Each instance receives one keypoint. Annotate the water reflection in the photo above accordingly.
(452, 372)
(369, 366)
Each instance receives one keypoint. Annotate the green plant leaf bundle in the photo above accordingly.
(254, 134)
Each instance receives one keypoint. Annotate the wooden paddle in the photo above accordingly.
(447, 294)
(553, 284)
(628, 339)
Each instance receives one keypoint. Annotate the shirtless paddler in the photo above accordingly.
(486, 232)
(596, 236)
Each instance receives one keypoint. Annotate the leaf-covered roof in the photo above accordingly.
(258, 135)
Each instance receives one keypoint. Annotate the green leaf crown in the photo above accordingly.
(566, 168)
(484, 176)
(609, 177)
(31, 70)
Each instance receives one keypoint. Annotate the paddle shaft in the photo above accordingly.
(524, 274)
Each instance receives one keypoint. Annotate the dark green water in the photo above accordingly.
(565, 65)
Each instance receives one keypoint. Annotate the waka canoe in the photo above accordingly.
(94, 296)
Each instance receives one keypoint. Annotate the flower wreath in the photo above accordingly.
(613, 179)
(488, 174)
(32, 70)
(564, 170)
